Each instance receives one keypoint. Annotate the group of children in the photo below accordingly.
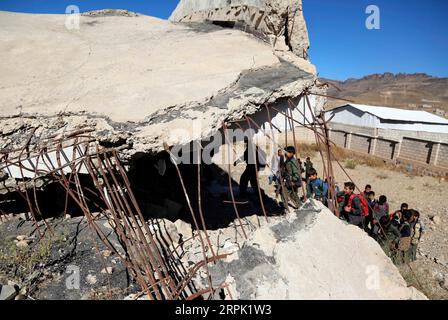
(397, 232)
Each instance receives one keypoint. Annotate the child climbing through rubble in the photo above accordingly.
(316, 188)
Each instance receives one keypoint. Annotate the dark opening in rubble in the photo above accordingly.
(51, 201)
(162, 196)
(224, 24)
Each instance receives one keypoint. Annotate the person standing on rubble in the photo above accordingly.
(277, 164)
(250, 174)
(292, 178)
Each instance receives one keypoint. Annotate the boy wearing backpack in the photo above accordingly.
(355, 206)
(316, 188)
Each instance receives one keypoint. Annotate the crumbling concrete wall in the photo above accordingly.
(281, 20)
(314, 255)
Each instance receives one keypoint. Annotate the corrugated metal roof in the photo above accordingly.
(395, 114)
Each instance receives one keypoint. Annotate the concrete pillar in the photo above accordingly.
(397, 152)
(436, 153)
(348, 141)
(374, 143)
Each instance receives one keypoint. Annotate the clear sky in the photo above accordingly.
(413, 34)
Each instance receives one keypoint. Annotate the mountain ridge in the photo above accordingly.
(416, 91)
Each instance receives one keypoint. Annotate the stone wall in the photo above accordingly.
(418, 148)
(415, 149)
(386, 148)
(443, 156)
(361, 143)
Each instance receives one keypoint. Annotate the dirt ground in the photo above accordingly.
(423, 193)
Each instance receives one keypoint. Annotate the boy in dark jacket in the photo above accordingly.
(292, 178)
(316, 188)
(405, 238)
(368, 223)
(352, 209)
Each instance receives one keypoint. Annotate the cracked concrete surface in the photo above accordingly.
(134, 78)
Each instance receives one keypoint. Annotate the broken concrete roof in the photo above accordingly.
(137, 73)
(281, 20)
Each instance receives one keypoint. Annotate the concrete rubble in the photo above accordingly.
(7, 292)
(314, 255)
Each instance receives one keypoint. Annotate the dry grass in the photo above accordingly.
(303, 149)
(350, 164)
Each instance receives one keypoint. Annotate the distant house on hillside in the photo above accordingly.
(387, 118)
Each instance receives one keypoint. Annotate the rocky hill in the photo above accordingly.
(408, 91)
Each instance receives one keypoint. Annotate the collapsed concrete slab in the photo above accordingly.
(134, 78)
(281, 21)
(314, 255)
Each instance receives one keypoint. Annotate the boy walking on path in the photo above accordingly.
(404, 245)
(417, 229)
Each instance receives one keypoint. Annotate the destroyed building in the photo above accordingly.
(90, 117)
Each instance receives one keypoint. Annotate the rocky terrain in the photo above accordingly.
(408, 91)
